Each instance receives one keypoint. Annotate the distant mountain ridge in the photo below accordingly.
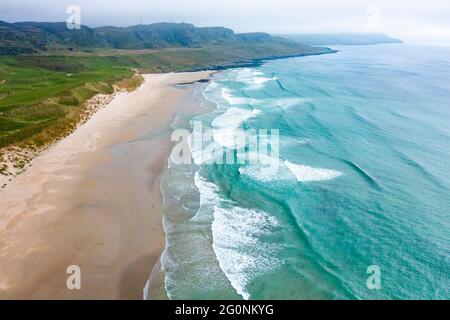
(40, 37)
(320, 39)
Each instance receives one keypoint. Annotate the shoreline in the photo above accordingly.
(93, 200)
(17, 158)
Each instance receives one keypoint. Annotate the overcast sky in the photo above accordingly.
(417, 21)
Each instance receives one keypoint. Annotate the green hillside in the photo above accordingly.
(50, 37)
(47, 71)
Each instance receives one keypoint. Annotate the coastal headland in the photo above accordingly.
(93, 200)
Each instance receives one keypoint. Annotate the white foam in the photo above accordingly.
(208, 199)
(262, 80)
(266, 169)
(309, 174)
(236, 235)
(262, 167)
(233, 100)
(253, 78)
(246, 75)
(212, 85)
(203, 153)
(227, 137)
(227, 127)
(177, 259)
(234, 117)
(241, 254)
(286, 103)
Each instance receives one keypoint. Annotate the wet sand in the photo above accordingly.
(93, 200)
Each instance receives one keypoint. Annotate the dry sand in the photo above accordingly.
(93, 200)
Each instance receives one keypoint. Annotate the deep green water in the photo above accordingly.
(363, 179)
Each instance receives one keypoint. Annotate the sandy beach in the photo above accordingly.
(93, 200)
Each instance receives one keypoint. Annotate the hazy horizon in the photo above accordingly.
(409, 21)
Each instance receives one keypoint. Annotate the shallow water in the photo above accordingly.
(362, 179)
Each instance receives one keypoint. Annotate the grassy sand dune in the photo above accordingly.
(93, 200)
(45, 99)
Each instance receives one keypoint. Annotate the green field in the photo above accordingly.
(44, 94)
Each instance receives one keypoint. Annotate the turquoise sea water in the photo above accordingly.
(363, 180)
